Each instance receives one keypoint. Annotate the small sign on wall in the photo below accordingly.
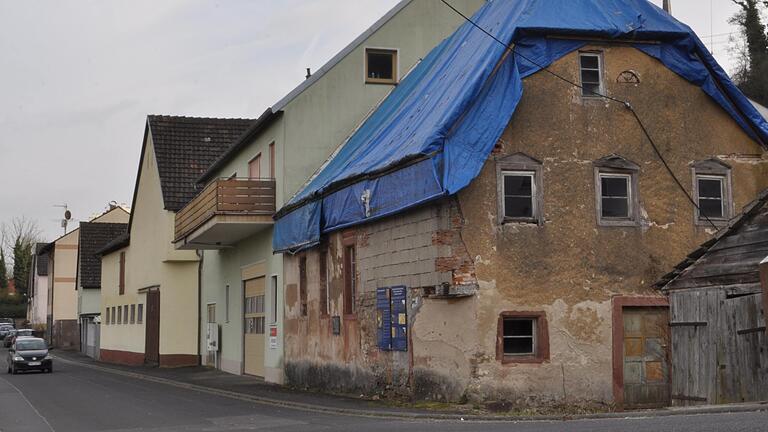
(273, 338)
(392, 319)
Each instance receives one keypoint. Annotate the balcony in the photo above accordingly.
(225, 212)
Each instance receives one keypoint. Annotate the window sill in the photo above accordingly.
(718, 222)
(521, 221)
(379, 81)
(617, 223)
(350, 317)
(509, 359)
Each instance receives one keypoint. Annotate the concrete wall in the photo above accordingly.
(151, 260)
(311, 127)
(568, 267)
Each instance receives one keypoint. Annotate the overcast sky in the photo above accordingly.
(79, 77)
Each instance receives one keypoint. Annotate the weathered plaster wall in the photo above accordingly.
(568, 267)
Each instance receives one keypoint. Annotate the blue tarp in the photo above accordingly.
(431, 136)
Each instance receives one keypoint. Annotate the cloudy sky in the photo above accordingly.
(79, 77)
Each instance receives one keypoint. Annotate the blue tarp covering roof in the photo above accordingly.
(431, 136)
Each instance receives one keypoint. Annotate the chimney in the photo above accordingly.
(309, 74)
(668, 6)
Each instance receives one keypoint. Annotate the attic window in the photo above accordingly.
(380, 66)
(591, 74)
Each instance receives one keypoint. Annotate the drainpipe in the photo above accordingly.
(668, 6)
(199, 304)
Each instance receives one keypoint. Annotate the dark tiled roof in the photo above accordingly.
(42, 260)
(731, 257)
(118, 242)
(93, 237)
(185, 147)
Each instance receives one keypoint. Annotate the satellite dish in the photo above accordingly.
(67, 215)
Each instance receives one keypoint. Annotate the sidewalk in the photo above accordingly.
(255, 390)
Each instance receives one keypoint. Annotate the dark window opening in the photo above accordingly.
(615, 196)
(303, 285)
(323, 281)
(349, 280)
(519, 336)
(591, 76)
(519, 193)
(380, 66)
(711, 202)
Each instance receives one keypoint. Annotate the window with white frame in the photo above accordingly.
(519, 195)
(712, 187)
(591, 74)
(519, 189)
(615, 196)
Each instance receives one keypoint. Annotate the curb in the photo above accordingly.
(402, 415)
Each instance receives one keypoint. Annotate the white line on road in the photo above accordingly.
(42, 417)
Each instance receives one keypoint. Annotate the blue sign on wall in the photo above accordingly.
(392, 318)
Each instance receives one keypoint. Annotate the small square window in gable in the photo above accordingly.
(519, 189)
(380, 66)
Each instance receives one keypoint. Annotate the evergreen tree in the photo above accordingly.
(752, 76)
(3, 272)
(22, 260)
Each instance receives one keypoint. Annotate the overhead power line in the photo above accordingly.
(626, 104)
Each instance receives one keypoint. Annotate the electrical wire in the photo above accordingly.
(626, 104)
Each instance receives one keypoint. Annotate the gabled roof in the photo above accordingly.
(42, 260)
(93, 237)
(185, 147)
(731, 257)
(273, 112)
(431, 136)
(117, 243)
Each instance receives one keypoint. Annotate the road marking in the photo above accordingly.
(42, 417)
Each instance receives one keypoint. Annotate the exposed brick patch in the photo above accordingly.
(442, 237)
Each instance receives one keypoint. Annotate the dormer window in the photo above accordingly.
(380, 66)
(591, 74)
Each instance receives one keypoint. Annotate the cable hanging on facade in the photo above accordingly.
(626, 104)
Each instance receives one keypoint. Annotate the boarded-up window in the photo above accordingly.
(349, 279)
(122, 273)
(323, 281)
(303, 285)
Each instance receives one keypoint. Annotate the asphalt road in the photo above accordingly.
(75, 398)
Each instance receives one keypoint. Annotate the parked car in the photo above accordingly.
(8, 321)
(4, 330)
(29, 353)
(9, 338)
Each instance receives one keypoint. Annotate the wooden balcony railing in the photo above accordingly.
(229, 196)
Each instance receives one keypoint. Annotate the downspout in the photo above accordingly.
(200, 255)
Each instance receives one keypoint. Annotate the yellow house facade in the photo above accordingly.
(149, 290)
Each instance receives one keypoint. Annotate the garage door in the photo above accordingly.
(253, 327)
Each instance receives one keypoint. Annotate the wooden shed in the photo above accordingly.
(718, 334)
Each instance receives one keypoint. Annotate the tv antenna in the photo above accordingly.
(67, 216)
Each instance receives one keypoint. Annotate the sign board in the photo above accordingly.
(212, 337)
(392, 319)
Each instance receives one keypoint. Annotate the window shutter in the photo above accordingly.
(122, 273)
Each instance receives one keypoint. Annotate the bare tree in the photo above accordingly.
(20, 228)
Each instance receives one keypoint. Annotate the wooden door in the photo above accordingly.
(646, 364)
(253, 327)
(254, 167)
(152, 340)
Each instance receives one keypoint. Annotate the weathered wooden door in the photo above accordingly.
(152, 339)
(253, 327)
(646, 364)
